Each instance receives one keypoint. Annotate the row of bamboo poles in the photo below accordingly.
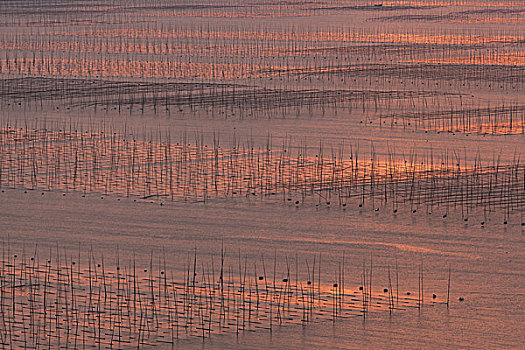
(108, 163)
(75, 300)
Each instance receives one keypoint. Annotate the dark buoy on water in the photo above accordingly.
(461, 299)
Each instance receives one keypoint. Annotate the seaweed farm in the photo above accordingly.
(339, 174)
(85, 162)
(501, 120)
(122, 306)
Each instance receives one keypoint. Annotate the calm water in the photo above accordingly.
(405, 87)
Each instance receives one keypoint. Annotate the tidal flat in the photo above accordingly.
(343, 174)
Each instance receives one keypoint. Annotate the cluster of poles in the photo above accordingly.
(67, 299)
(286, 54)
(501, 120)
(197, 100)
(245, 70)
(160, 168)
